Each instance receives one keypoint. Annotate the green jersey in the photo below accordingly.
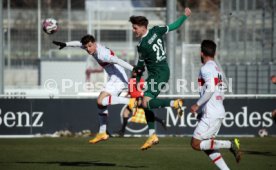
(152, 52)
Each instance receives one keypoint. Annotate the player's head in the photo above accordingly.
(208, 49)
(139, 25)
(89, 43)
(273, 79)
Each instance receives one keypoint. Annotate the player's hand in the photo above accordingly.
(133, 74)
(187, 12)
(60, 44)
(138, 70)
(194, 108)
(199, 116)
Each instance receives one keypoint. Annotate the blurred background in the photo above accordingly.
(244, 30)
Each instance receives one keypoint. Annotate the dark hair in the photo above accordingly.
(87, 38)
(208, 48)
(139, 20)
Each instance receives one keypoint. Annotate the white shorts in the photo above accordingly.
(114, 86)
(207, 128)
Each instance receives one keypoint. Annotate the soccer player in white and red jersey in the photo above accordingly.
(213, 112)
(117, 78)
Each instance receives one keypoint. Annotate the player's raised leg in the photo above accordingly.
(154, 86)
(158, 103)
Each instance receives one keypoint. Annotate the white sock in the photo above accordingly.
(111, 100)
(102, 128)
(212, 144)
(151, 131)
(103, 116)
(218, 160)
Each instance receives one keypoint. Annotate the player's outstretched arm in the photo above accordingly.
(67, 44)
(121, 62)
(180, 20)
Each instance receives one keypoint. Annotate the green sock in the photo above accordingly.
(150, 119)
(157, 103)
(151, 125)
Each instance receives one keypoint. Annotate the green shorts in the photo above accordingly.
(156, 82)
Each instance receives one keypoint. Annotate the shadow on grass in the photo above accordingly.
(258, 153)
(82, 164)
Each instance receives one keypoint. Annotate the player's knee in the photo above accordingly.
(99, 101)
(99, 104)
(195, 144)
(144, 103)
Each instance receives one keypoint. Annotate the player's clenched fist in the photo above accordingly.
(187, 12)
(60, 44)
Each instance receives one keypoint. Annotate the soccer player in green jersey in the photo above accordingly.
(152, 54)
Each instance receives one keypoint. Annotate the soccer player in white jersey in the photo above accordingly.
(117, 78)
(211, 104)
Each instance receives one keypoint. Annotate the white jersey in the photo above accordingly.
(104, 57)
(108, 60)
(209, 80)
(113, 66)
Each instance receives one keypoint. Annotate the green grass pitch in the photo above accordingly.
(124, 153)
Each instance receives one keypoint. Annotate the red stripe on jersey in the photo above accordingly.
(217, 80)
(212, 144)
(219, 97)
(201, 81)
(109, 100)
(112, 53)
(217, 158)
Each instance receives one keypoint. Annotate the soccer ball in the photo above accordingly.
(50, 25)
(262, 133)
